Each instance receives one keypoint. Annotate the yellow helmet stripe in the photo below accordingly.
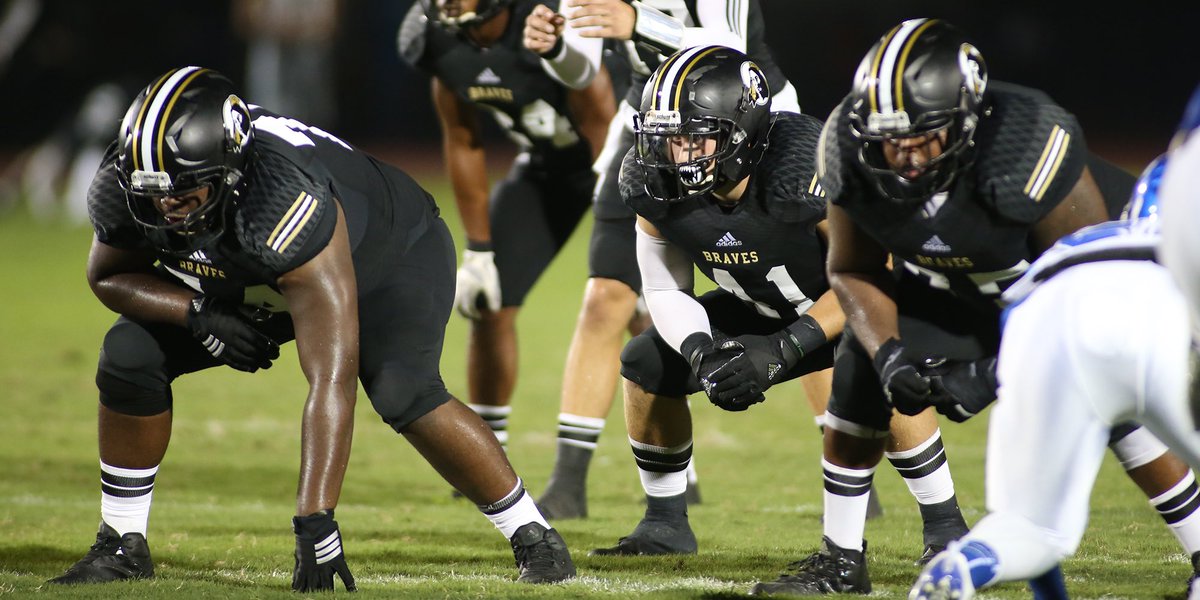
(876, 62)
(683, 74)
(162, 123)
(658, 79)
(903, 62)
(137, 123)
(153, 108)
(889, 74)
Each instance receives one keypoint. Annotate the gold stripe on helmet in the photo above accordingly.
(683, 75)
(898, 90)
(163, 119)
(666, 66)
(873, 76)
(141, 118)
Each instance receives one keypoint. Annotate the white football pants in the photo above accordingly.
(1098, 344)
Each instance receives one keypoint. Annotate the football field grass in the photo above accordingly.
(225, 494)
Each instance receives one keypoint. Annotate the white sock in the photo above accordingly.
(125, 496)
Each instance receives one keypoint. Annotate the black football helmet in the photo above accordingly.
(484, 10)
(185, 131)
(923, 76)
(697, 96)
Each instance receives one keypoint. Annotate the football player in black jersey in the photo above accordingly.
(720, 182)
(964, 182)
(570, 44)
(223, 230)
(473, 51)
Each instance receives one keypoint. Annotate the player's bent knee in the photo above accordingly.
(128, 398)
(399, 401)
(131, 375)
(654, 366)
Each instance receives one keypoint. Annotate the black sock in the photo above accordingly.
(944, 522)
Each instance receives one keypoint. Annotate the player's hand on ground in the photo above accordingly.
(543, 30)
(478, 284)
(319, 554)
(229, 335)
(611, 19)
(962, 388)
(906, 388)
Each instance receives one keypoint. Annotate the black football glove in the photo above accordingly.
(961, 388)
(771, 357)
(229, 335)
(724, 371)
(906, 388)
(319, 554)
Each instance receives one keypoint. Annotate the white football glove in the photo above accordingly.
(477, 277)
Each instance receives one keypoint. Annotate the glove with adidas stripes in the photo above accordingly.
(229, 335)
(319, 554)
(774, 355)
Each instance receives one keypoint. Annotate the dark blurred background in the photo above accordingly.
(1125, 70)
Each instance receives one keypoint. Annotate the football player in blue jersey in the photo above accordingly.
(1064, 360)
(1180, 247)
(223, 230)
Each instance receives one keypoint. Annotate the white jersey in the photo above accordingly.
(1179, 207)
(1113, 240)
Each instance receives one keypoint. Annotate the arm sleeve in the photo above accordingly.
(722, 24)
(578, 61)
(667, 280)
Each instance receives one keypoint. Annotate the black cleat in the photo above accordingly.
(654, 537)
(931, 551)
(541, 555)
(111, 558)
(830, 570)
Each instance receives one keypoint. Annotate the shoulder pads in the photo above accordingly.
(286, 216)
(789, 168)
(1031, 154)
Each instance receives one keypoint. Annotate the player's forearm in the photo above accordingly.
(593, 109)
(327, 430)
(869, 310)
(577, 60)
(468, 177)
(827, 312)
(144, 297)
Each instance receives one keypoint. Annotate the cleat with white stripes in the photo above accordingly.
(112, 558)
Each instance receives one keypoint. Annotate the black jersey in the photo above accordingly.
(506, 79)
(973, 239)
(296, 177)
(724, 15)
(766, 250)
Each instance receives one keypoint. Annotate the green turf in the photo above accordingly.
(225, 493)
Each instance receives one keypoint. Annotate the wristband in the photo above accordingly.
(805, 335)
(657, 28)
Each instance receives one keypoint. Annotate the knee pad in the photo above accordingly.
(131, 375)
(399, 400)
(648, 361)
(1134, 445)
